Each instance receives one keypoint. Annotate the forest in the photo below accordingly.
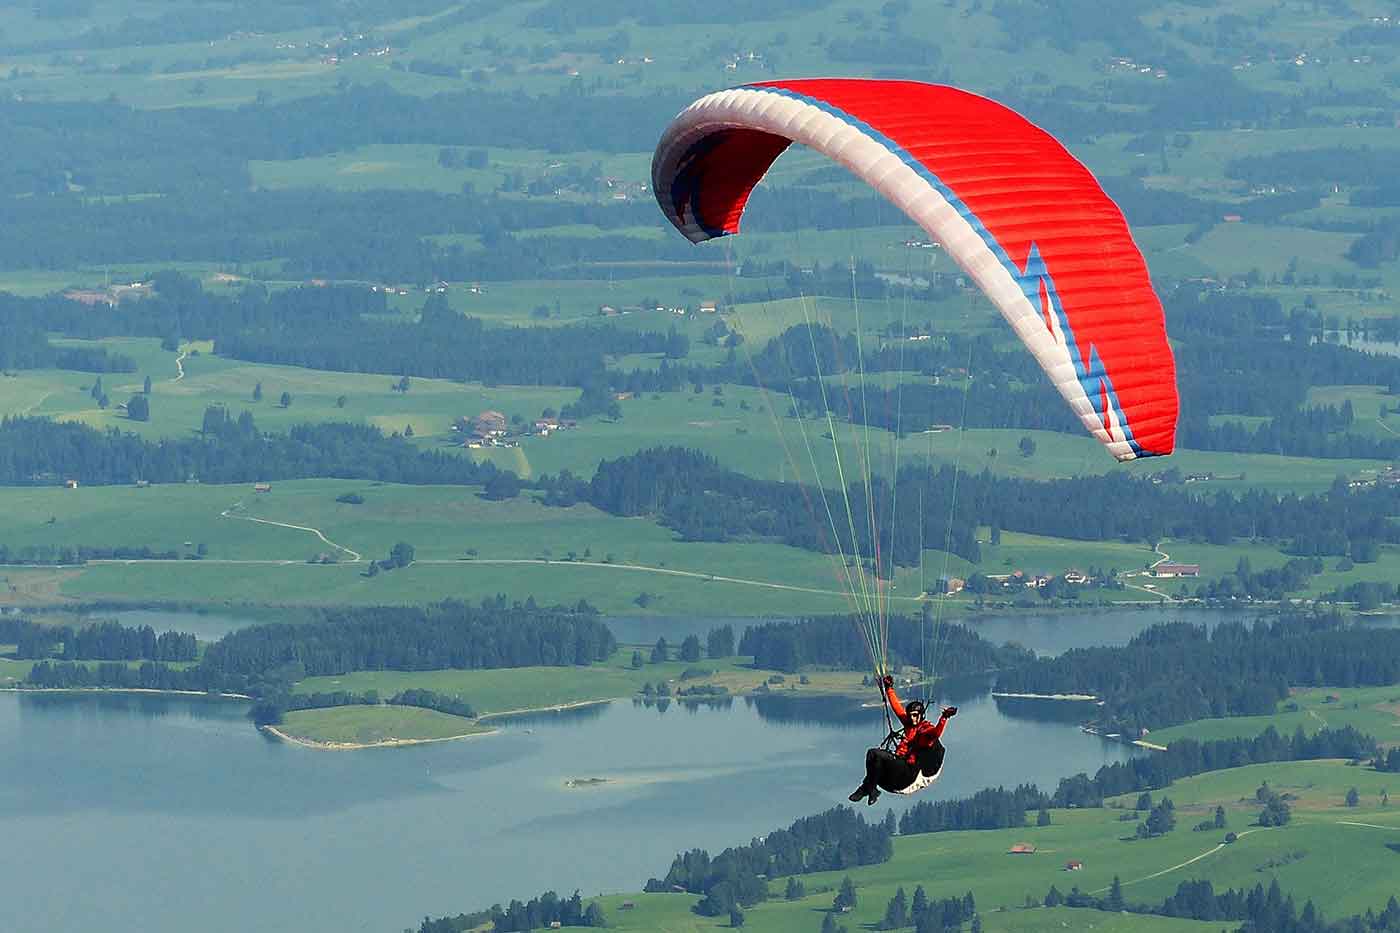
(101, 641)
(838, 838)
(834, 641)
(40, 452)
(1259, 909)
(689, 492)
(1187, 757)
(450, 634)
(1177, 672)
(264, 661)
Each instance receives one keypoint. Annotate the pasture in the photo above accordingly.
(1331, 853)
(375, 725)
(1373, 710)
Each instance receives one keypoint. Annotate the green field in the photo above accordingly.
(492, 692)
(469, 547)
(1329, 852)
(1373, 710)
(375, 725)
(13, 672)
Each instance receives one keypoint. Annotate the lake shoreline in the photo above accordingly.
(1077, 697)
(357, 746)
(181, 693)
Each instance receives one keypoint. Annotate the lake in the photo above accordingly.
(173, 814)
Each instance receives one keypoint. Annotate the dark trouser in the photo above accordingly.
(888, 771)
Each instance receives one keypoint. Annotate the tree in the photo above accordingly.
(846, 897)
(257, 392)
(661, 651)
(736, 916)
(1353, 797)
(1027, 446)
(896, 912)
(1043, 817)
(796, 890)
(408, 431)
(503, 485)
(1114, 901)
(286, 400)
(720, 642)
(1219, 817)
(1275, 813)
(138, 408)
(976, 923)
(690, 648)
(373, 569)
(400, 555)
(403, 384)
(96, 390)
(1162, 819)
(919, 905)
(340, 401)
(1053, 897)
(636, 660)
(1144, 801)
(146, 386)
(593, 916)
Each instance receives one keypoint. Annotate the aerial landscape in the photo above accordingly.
(470, 465)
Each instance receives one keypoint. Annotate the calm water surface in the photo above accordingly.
(173, 814)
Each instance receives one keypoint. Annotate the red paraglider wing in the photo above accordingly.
(1027, 222)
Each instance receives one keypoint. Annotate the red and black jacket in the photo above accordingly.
(918, 739)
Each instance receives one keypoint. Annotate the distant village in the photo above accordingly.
(492, 429)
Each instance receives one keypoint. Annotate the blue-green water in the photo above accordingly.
(159, 814)
(166, 814)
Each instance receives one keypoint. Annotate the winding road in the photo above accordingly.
(227, 513)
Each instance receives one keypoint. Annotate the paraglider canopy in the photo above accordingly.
(1023, 218)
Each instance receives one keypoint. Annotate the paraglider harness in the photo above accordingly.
(929, 762)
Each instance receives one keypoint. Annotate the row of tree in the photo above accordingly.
(1177, 672)
(38, 451)
(838, 838)
(836, 641)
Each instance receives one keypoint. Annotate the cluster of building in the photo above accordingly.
(1123, 63)
(704, 307)
(491, 429)
(950, 586)
(1390, 476)
(111, 296)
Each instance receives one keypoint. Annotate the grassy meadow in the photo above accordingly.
(1373, 710)
(375, 725)
(1336, 855)
(469, 547)
(493, 692)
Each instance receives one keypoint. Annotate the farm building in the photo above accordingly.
(1021, 848)
(262, 487)
(489, 424)
(1074, 865)
(1177, 570)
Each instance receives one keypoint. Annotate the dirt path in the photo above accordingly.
(1180, 865)
(180, 365)
(1367, 825)
(354, 555)
(691, 574)
(1162, 556)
